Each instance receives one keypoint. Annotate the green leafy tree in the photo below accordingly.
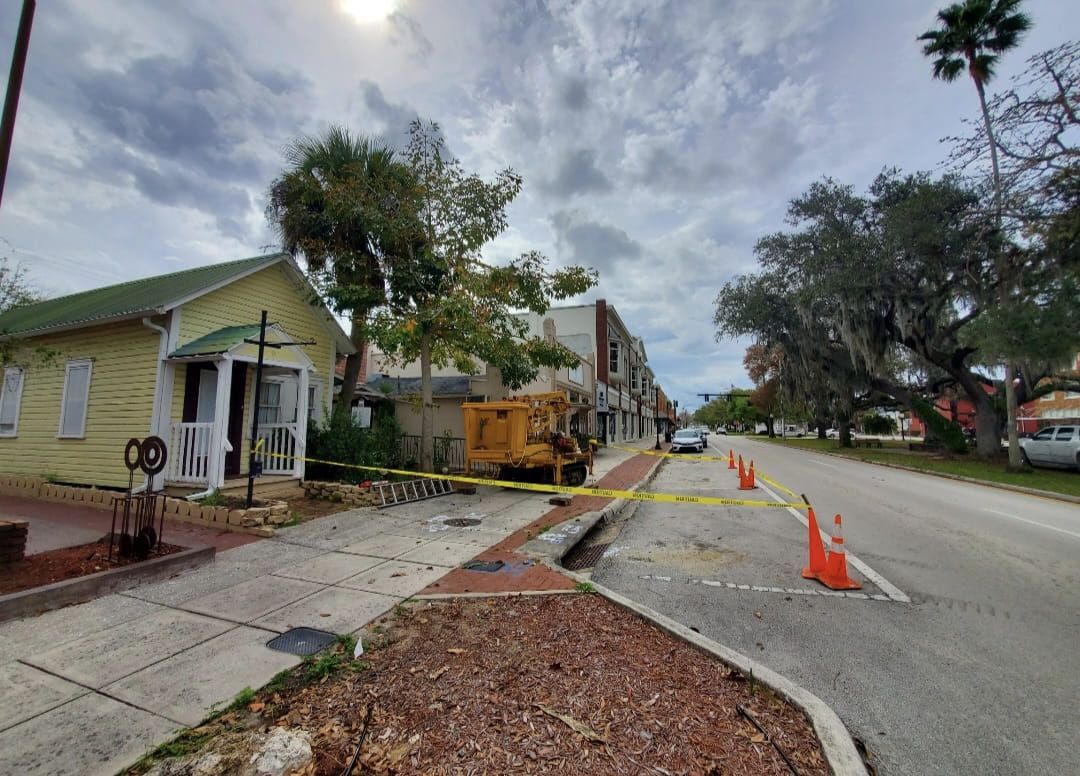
(971, 36)
(445, 304)
(328, 207)
(15, 291)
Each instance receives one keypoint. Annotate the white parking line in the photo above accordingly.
(1032, 522)
(887, 587)
(822, 463)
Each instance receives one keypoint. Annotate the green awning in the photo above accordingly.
(217, 342)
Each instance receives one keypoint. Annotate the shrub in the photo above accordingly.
(873, 423)
(938, 427)
(339, 439)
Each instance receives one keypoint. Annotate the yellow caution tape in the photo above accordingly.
(662, 498)
(703, 459)
(259, 444)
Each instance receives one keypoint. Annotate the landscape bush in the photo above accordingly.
(341, 440)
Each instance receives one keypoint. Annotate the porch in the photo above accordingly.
(211, 404)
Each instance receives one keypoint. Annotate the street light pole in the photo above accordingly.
(656, 414)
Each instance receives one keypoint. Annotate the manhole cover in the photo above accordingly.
(584, 557)
(461, 522)
(302, 641)
(480, 565)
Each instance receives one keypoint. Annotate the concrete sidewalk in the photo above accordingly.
(90, 688)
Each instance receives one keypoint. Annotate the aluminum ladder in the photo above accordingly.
(394, 493)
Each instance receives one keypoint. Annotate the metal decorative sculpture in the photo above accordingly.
(135, 512)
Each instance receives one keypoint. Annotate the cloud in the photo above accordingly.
(393, 119)
(405, 28)
(586, 242)
(577, 173)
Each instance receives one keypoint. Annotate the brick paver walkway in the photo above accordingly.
(519, 572)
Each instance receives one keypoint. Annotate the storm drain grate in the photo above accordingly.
(302, 641)
(584, 557)
(490, 566)
(461, 522)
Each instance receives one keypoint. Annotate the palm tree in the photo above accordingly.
(318, 208)
(973, 35)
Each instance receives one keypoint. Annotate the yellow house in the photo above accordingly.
(173, 356)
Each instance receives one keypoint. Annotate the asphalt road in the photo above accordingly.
(979, 673)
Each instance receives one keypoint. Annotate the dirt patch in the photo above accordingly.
(562, 684)
(45, 568)
(302, 508)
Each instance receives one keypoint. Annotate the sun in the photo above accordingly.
(369, 11)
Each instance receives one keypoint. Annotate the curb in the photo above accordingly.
(590, 520)
(836, 742)
(27, 603)
(1048, 494)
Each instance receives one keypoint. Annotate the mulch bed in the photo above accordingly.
(566, 684)
(45, 568)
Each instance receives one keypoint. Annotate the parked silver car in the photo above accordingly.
(1053, 446)
(687, 440)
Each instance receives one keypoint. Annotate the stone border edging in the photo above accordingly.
(960, 478)
(27, 603)
(836, 742)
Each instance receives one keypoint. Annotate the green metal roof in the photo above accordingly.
(144, 296)
(220, 341)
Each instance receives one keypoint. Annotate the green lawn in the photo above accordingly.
(1054, 480)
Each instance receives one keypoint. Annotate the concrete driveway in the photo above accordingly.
(979, 673)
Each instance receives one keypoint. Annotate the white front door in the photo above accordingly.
(205, 408)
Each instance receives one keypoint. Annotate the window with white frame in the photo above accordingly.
(613, 357)
(1072, 394)
(270, 403)
(10, 398)
(635, 377)
(314, 401)
(1048, 396)
(576, 374)
(73, 405)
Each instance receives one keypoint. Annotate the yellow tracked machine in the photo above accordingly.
(520, 436)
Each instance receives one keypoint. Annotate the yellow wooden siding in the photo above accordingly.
(241, 303)
(119, 406)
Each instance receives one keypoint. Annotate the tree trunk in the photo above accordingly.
(772, 427)
(845, 433)
(1015, 462)
(821, 429)
(352, 367)
(427, 410)
(987, 432)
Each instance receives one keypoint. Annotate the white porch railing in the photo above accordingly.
(279, 447)
(189, 452)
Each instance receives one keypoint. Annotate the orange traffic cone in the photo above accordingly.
(731, 459)
(835, 575)
(817, 549)
(746, 477)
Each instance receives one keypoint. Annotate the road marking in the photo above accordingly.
(887, 587)
(822, 463)
(1032, 522)
(770, 589)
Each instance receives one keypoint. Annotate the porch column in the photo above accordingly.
(215, 470)
(301, 425)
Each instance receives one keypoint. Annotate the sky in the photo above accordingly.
(657, 141)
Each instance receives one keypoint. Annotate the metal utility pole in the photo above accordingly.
(252, 466)
(15, 77)
(656, 414)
